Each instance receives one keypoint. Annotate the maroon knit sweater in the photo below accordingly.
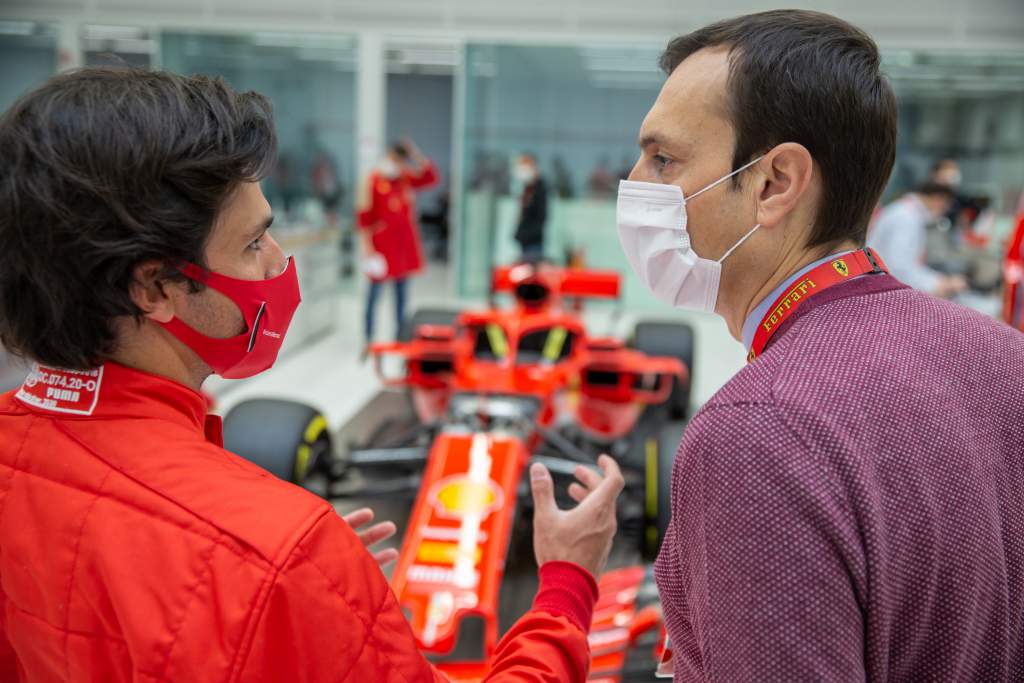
(850, 506)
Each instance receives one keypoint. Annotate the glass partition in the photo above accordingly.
(28, 52)
(967, 106)
(577, 110)
(104, 44)
(310, 79)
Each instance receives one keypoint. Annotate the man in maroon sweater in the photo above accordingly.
(850, 506)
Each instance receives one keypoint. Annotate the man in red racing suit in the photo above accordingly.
(133, 547)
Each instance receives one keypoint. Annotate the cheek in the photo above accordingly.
(214, 315)
(711, 225)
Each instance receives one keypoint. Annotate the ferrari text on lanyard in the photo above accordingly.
(832, 272)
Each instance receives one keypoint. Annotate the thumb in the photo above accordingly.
(543, 490)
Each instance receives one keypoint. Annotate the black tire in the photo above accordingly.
(426, 316)
(675, 340)
(286, 438)
(659, 456)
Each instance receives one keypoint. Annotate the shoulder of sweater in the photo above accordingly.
(847, 346)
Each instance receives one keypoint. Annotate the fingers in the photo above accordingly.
(588, 477)
(613, 481)
(578, 492)
(385, 557)
(377, 533)
(543, 490)
(358, 518)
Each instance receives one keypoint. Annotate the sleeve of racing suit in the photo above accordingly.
(328, 614)
(425, 176)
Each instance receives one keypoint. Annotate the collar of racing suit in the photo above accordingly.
(117, 391)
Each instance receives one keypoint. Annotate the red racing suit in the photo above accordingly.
(133, 547)
(388, 211)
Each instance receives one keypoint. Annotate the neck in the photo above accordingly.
(792, 262)
(144, 347)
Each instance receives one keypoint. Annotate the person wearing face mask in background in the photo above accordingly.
(848, 507)
(132, 545)
(386, 216)
(900, 236)
(533, 207)
(947, 172)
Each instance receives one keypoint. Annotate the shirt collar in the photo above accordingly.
(757, 315)
(112, 391)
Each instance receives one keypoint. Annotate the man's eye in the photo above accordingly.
(661, 161)
(256, 244)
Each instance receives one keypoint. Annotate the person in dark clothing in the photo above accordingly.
(533, 212)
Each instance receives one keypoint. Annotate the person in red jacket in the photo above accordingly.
(137, 261)
(387, 218)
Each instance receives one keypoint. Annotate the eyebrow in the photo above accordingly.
(650, 139)
(260, 229)
(675, 148)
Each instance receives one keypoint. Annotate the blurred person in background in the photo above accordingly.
(562, 178)
(387, 216)
(849, 507)
(133, 547)
(327, 187)
(900, 237)
(285, 184)
(947, 172)
(601, 183)
(625, 169)
(533, 207)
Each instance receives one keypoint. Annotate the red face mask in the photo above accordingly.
(266, 305)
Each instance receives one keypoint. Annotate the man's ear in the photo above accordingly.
(788, 169)
(153, 293)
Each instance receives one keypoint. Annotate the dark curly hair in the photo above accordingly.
(103, 169)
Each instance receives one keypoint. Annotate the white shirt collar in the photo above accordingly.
(755, 317)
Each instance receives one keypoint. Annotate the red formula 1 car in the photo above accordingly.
(475, 397)
(1013, 277)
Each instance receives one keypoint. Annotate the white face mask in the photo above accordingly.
(524, 174)
(651, 220)
(388, 168)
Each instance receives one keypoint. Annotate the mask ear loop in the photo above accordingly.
(724, 178)
(738, 244)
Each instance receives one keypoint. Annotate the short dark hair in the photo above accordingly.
(810, 78)
(931, 188)
(942, 163)
(103, 169)
(400, 149)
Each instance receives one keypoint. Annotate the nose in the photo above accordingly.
(276, 260)
(639, 172)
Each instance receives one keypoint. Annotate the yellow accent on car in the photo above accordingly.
(496, 337)
(440, 552)
(651, 480)
(554, 344)
(466, 497)
(316, 427)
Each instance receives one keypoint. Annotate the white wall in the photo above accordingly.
(984, 24)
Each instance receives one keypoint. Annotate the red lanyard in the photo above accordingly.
(832, 272)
